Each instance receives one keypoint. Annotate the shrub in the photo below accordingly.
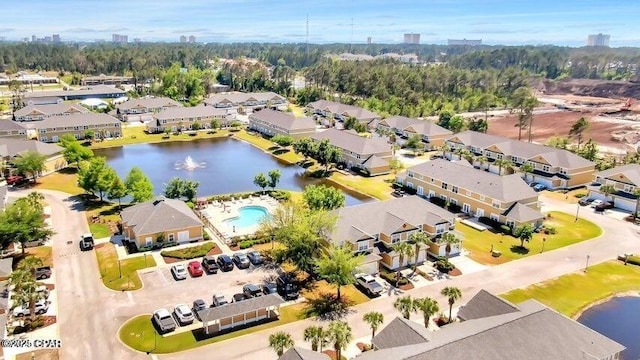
(190, 252)
(281, 195)
(245, 244)
(444, 266)
(206, 236)
(488, 221)
(579, 195)
(505, 229)
(634, 260)
(437, 201)
(550, 230)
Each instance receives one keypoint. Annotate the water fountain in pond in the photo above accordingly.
(189, 164)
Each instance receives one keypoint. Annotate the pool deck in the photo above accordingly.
(218, 212)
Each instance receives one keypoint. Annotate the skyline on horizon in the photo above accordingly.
(496, 22)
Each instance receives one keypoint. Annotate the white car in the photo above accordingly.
(596, 203)
(183, 314)
(179, 271)
(23, 310)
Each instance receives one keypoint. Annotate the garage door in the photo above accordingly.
(369, 268)
(183, 236)
(624, 204)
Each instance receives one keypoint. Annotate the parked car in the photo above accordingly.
(218, 300)
(164, 321)
(251, 291)
(199, 305)
(86, 242)
(184, 314)
(210, 265)
(585, 201)
(596, 202)
(238, 297)
(255, 258)
(179, 271)
(539, 187)
(195, 269)
(23, 310)
(270, 288)
(371, 286)
(43, 272)
(437, 156)
(287, 288)
(225, 263)
(604, 206)
(241, 260)
(16, 180)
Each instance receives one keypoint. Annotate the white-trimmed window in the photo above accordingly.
(395, 238)
(440, 228)
(444, 186)
(481, 197)
(453, 201)
(496, 204)
(494, 217)
(468, 192)
(546, 168)
(454, 189)
(363, 245)
(171, 238)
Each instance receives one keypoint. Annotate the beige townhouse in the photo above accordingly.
(331, 110)
(271, 122)
(183, 118)
(142, 108)
(51, 128)
(40, 112)
(248, 102)
(433, 136)
(11, 149)
(507, 199)
(625, 181)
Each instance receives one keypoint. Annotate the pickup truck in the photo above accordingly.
(369, 284)
(86, 242)
(23, 310)
(164, 321)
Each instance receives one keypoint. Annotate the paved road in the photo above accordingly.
(89, 328)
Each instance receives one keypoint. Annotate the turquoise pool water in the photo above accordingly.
(249, 216)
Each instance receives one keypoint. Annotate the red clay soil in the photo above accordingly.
(546, 126)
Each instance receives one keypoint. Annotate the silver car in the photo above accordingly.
(183, 314)
(179, 271)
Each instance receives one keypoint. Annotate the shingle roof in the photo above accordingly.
(159, 215)
(50, 109)
(352, 142)
(428, 128)
(523, 213)
(298, 353)
(240, 307)
(556, 157)
(12, 147)
(148, 102)
(85, 91)
(399, 122)
(375, 161)
(485, 304)
(401, 332)
(365, 220)
(10, 125)
(238, 97)
(344, 109)
(70, 120)
(189, 112)
(630, 171)
(283, 120)
(506, 188)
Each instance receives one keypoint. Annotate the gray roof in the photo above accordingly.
(401, 332)
(148, 102)
(364, 221)
(200, 111)
(485, 304)
(398, 122)
(534, 332)
(238, 98)
(429, 128)
(240, 307)
(10, 125)
(71, 120)
(555, 157)
(298, 353)
(506, 188)
(6, 266)
(159, 215)
(523, 213)
(353, 142)
(375, 161)
(361, 114)
(13, 147)
(283, 120)
(51, 109)
(84, 91)
(630, 171)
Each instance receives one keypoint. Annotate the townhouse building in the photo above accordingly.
(248, 102)
(183, 118)
(12, 129)
(97, 91)
(625, 181)
(552, 167)
(40, 112)
(372, 229)
(371, 155)
(271, 122)
(51, 128)
(142, 108)
(433, 136)
(506, 199)
(330, 111)
(11, 149)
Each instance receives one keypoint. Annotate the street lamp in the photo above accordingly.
(544, 240)
(272, 238)
(587, 265)
(577, 212)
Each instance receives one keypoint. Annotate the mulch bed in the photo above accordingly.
(455, 272)
(170, 260)
(50, 286)
(408, 286)
(363, 347)
(48, 320)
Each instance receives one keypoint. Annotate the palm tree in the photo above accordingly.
(428, 306)
(279, 341)
(453, 293)
(449, 239)
(607, 190)
(25, 290)
(35, 199)
(374, 319)
(463, 153)
(316, 335)
(30, 264)
(405, 251)
(340, 334)
(482, 160)
(526, 169)
(445, 149)
(405, 305)
(418, 239)
(636, 193)
(503, 163)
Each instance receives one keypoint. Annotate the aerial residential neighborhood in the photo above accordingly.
(184, 186)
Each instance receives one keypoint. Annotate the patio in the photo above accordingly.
(218, 213)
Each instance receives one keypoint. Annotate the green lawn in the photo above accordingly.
(99, 231)
(268, 146)
(65, 180)
(297, 110)
(138, 333)
(378, 187)
(123, 277)
(322, 287)
(42, 252)
(568, 232)
(190, 252)
(136, 135)
(569, 294)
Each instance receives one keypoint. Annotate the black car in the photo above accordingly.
(270, 288)
(604, 206)
(255, 257)
(210, 265)
(238, 297)
(225, 263)
(251, 291)
(287, 288)
(585, 201)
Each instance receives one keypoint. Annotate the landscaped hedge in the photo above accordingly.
(496, 225)
(633, 259)
(443, 265)
(190, 252)
(437, 201)
(390, 277)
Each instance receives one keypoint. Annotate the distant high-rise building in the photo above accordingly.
(137, 40)
(2, 39)
(34, 38)
(412, 38)
(464, 42)
(117, 38)
(56, 38)
(192, 39)
(369, 40)
(598, 40)
(183, 39)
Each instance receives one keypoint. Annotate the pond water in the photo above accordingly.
(220, 165)
(617, 319)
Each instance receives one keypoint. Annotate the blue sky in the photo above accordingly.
(510, 22)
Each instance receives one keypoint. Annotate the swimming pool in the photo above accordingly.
(249, 216)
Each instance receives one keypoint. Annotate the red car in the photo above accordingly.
(195, 269)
